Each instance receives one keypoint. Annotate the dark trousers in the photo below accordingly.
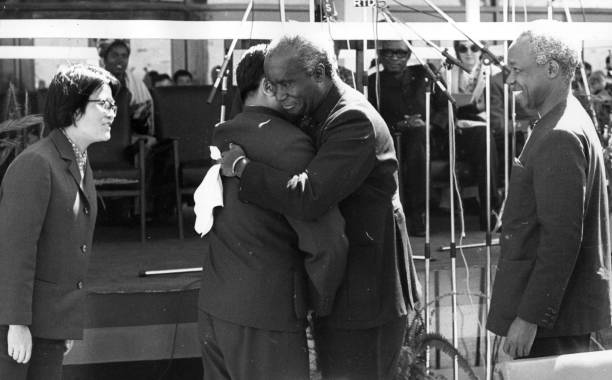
(560, 345)
(236, 352)
(45, 363)
(367, 354)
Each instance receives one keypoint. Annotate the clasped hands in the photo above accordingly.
(410, 121)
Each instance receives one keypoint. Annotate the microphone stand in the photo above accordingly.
(453, 247)
(487, 68)
(488, 55)
(228, 55)
(427, 250)
(444, 53)
(223, 94)
(451, 103)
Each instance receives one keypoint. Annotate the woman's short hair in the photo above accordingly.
(70, 90)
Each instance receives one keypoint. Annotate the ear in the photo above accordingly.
(266, 87)
(319, 72)
(552, 68)
(76, 116)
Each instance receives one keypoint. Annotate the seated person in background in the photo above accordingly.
(182, 77)
(469, 85)
(163, 80)
(399, 96)
(149, 78)
(577, 82)
(401, 102)
(115, 56)
(602, 99)
(469, 88)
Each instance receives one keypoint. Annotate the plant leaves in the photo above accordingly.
(21, 123)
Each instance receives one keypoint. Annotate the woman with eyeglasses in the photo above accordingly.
(468, 88)
(472, 83)
(47, 217)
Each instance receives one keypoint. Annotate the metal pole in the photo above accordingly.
(506, 98)
(427, 211)
(453, 251)
(487, 71)
(228, 55)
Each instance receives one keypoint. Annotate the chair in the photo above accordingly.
(112, 162)
(185, 120)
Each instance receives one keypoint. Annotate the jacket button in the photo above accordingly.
(86, 210)
(84, 248)
(79, 285)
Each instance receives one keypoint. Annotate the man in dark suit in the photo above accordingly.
(552, 287)
(355, 167)
(254, 294)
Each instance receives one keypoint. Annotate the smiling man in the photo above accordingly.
(552, 287)
(354, 167)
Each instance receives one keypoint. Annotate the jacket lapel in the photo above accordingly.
(67, 154)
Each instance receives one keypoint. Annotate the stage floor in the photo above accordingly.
(134, 319)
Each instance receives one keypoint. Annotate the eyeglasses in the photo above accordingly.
(106, 104)
(388, 53)
(464, 49)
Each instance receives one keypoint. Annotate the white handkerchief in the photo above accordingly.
(208, 195)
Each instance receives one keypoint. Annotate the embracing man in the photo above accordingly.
(355, 167)
(264, 270)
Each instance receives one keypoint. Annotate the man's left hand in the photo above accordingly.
(520, 338)
(229, 158)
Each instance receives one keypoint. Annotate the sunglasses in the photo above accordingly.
(106, 104)
(464, 49)
(388, 53)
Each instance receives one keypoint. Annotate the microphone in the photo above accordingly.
(454, 60)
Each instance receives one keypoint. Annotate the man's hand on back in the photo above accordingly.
(232, 159)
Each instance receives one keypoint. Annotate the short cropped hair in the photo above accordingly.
(309, 52)
(181, 73)
(547, 41)
(250, 70)
(106, 48)
(70, 90)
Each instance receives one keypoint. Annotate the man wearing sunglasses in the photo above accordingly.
(398, 92)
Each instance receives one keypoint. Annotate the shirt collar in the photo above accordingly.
(320, 114)
(264, 110)
(81, 156)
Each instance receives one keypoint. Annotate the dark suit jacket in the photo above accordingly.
(554, 268)
(254, 270)
(46, 224)
(354, 167)
(407, 97)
